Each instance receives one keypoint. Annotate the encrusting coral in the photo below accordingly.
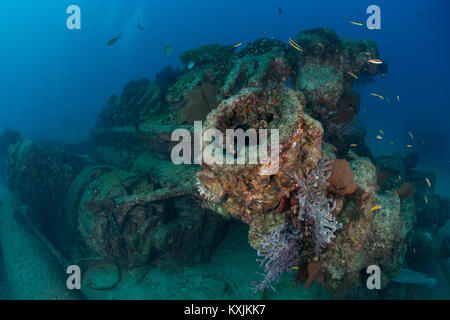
(199, 102)
(341, 180)
(310, 273)
(406, 190)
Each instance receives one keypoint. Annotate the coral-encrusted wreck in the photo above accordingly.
(128, 204)
(316, 205)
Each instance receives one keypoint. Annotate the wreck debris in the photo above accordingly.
(109, 213)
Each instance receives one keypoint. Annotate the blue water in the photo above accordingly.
(63, 78)
(55, 81)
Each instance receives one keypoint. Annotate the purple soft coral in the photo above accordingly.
(281, 249)
(314, 205)
(279, 254)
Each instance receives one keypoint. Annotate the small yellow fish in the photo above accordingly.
(381, 131)
(376, 208)
(409, 146)
(425, 198)
(320, 44)
(375, 61)
(377, 95)
(379, 137)
(353, 145)
(353, 239)
(295, 45)
(293, 268)
(357, 23)
(292, 42)
(428, 182)
(353, 75)
(237, 45)
(411, 135)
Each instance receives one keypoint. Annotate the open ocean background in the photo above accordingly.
(54, 82)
